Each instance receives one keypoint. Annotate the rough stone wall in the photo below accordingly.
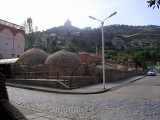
(94, 71)
(86, 80)
(81, 71)
(84, 70)
(114, 75)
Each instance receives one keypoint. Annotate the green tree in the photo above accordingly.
(112, 52)
(70, 47)
(153, 3)
(30, 40)
(31, 36)
(56, 48)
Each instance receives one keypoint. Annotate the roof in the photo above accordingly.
(63, 57)
(8, 61)
(3, 22)
(34, 56)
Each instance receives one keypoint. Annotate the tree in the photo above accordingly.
(153, 3)
(32, 34)
(70, 47)
(29, 22)
(55, 48)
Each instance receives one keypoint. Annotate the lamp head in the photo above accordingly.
(92, 17)
(112, 14)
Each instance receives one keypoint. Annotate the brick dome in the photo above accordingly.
(34, 56)
(63, 57)
(64, 60)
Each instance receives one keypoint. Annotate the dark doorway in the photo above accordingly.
(6, 70)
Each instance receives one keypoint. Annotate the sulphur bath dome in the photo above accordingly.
(34, 56)
(64, 60)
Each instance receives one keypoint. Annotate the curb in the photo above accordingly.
(70, 92)
(54, 91)
(125, 84)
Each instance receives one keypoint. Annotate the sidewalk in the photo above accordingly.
(94, 89)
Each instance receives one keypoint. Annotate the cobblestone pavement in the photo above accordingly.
(88, 107)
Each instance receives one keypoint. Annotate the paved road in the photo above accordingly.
(136, 101)
(148, 87)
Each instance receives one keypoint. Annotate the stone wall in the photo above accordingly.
(52, 82)
(114, 75)
(86, 80)
(83, 76)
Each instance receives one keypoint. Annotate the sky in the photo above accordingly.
(53, 13)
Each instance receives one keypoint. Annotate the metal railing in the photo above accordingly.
(61, 79)
(3, 22)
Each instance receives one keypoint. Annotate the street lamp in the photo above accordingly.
(103, 60)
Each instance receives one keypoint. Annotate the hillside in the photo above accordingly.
(152, 33)
(67, 27)
(88, 38)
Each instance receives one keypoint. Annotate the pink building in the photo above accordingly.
(12, 39)
(89, 58)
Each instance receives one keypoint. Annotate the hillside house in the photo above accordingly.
(118, 42)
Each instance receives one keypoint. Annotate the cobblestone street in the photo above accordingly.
(104, 106)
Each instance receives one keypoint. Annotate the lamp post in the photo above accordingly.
(102, 29)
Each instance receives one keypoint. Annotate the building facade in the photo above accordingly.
(12, 40)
